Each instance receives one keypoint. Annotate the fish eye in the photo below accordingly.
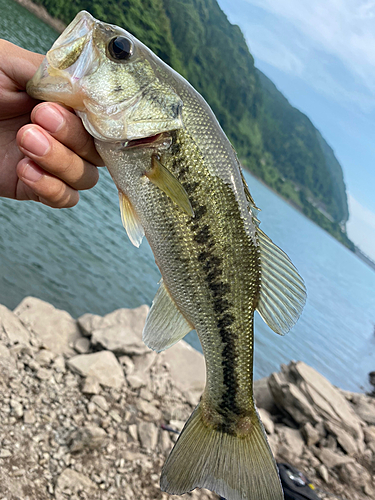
(120, 48)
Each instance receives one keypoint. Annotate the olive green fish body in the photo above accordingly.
(209, 263)
(180, 185)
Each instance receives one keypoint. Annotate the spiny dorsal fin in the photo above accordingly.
(130, 220)
(253, 209)
(167, 182)
(165, 325)
(283, 292)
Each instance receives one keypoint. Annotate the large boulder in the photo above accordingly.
(119, 331)
(11, 326)
(307, 396)
(55, 329)
(102, 365)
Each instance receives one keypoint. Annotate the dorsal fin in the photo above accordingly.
(283, 292)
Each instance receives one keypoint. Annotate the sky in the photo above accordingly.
(321, 55)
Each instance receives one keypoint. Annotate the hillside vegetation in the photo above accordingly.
(274, 140)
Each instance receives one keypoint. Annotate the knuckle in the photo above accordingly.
(57, 195)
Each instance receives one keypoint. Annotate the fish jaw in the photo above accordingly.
(117, 101)
(69, 59)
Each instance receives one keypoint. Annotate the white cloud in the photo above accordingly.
(313, 34)
(361, 227)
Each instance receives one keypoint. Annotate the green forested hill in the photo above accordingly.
(275, 141)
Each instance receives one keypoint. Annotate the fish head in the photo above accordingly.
(112, 80)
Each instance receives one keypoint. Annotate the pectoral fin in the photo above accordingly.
(130, 220)
(164, 325)
(283, 292)
(167, 182)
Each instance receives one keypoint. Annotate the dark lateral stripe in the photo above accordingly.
(212, 268)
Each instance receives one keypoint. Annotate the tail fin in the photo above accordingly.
(236, 468)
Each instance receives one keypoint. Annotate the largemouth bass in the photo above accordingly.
(180, 184)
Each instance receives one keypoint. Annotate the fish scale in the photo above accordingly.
(180, 185)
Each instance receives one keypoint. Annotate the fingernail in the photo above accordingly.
(31, 173)
(49, 118)
(35, 142)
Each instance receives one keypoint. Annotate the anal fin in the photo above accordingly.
(165, 325)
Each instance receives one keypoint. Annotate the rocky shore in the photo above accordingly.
(88, 412)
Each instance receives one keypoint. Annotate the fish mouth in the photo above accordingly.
(161, 141)
(70, 57)
(144, 141)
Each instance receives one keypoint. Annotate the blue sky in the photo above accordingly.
(321, 56)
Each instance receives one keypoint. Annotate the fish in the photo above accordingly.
(181, 185)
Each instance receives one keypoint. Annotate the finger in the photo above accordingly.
(36, 184)
(20, 64)
(56, 158)
(67, 128)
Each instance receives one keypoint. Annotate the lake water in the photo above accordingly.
(81, 260)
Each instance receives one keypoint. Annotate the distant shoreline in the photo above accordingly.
(42, 14)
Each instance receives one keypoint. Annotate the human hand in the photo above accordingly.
(52, 158)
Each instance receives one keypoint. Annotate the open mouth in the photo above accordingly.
(145, 141)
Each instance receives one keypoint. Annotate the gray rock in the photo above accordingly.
(119, 339)
(263, 396)
(354, 474)
(75, 482)
(365, 408)
(291, 443)
(309, 397)
(149, 409)
(187, 369)
(101, 402)
(274, 441)
(128, 364)
(29, 417)
(143, 364)
(345, 440)
(88, 323)
(91, 386)
(43, 374)
(133, 431)
(289, 398)
(59, 364)
(266, 420)
(323, 472)
(332, 459)
(44, 357)
(311, 435)
(103, 365)
(135, 382)
(148, 435)
(165, 442)
(90, 437)
(13, 328)
(82, 345)
(7, 361)
(17, 409)
(56, 329)
(120, 331)
(4, 453)
(369, 433)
